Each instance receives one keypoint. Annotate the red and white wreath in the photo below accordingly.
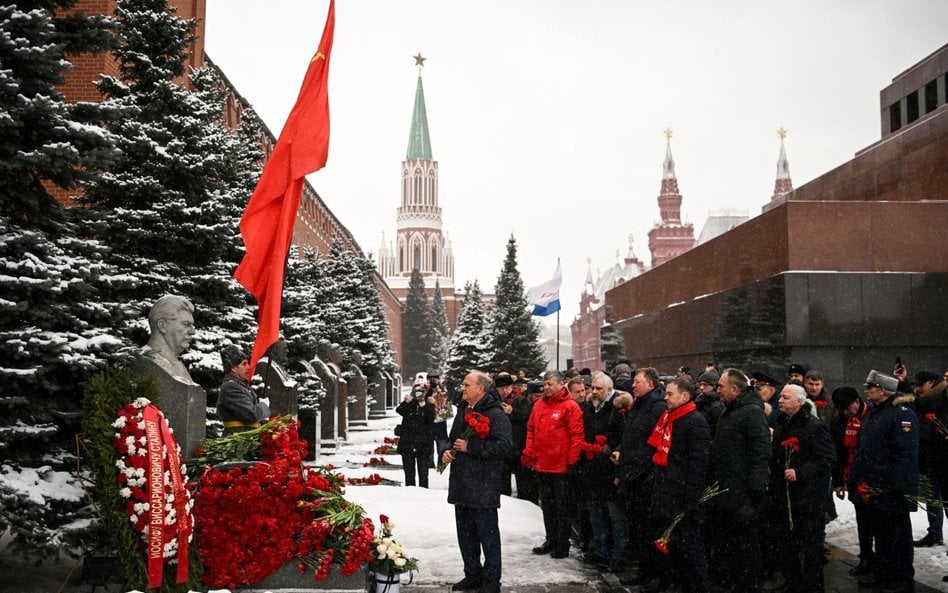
(153, 482)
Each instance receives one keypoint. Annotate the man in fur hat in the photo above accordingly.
(239, 408)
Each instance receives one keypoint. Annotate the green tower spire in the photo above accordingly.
(419, 144)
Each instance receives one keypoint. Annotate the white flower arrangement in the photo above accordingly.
(390, 556)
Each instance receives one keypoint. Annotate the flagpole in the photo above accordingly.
(557, 339)
(557, 328)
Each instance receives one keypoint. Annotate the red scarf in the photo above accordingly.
(661, 437)
(851, 440)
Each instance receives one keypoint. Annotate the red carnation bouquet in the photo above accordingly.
(790, 446)
(477, 425)
(596, 447)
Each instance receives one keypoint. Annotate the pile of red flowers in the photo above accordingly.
(385, 450)
(377, 462)
(251, 521)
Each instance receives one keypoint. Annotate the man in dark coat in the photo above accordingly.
(239, 408)
(477, 468)
(682, 440)
(415, 442)
(606, 515)
(740, 457)
(800, 465)
(931, 456)
(885, 472)
(634, 471)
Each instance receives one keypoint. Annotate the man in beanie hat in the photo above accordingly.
(885, 470)
(850, 413)
(796, 372)
(239, 408)
(706, 398)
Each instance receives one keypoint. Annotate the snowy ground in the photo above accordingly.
(425, 521)
(425, 526)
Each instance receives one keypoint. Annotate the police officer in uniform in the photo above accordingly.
(885, 475)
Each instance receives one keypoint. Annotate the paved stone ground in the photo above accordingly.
(836, 578)
(49, 578)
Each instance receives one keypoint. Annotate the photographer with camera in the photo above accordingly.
(442, 411)
(415, 444)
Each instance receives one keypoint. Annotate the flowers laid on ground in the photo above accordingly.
(596, 447)
(377, 462)
(388, 447)
(790, 446)
(153, 486)
(389, 556)
(373, 479)
(710, 492)
(252, 520)
(477, 424)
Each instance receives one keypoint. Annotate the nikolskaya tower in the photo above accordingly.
(419, 240)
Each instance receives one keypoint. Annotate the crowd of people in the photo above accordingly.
(721, 483)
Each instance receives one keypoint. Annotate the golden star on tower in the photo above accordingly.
(419, 61)
(782, 134)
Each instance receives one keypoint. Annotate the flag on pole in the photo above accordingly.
(545, 297)
(267, 223)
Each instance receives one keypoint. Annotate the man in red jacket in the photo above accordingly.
(554, 442)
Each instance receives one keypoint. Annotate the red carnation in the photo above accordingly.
(791, 443)
(383, 519)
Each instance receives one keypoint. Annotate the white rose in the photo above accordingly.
(389, 526)
(120, 422)
(381, 548)
(125, 493)
(387, 541)
(400, 562)
(392, 554)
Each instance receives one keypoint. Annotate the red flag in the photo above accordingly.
(267, 223)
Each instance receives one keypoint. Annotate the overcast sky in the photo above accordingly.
(546, 116)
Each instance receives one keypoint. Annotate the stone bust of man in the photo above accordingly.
(171, 322)
(276, 360)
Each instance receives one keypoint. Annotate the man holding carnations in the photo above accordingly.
(477, 468)
(682, 443)
(800, 465)
(886, 464)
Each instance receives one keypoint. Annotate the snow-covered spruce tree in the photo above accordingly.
(376, 326)
(302, 319)
(352, 312)
(170, 205)
(416, 329)
(470, 344)
(54, 334)
(42, 138)
(439, 328)
(515, 337)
